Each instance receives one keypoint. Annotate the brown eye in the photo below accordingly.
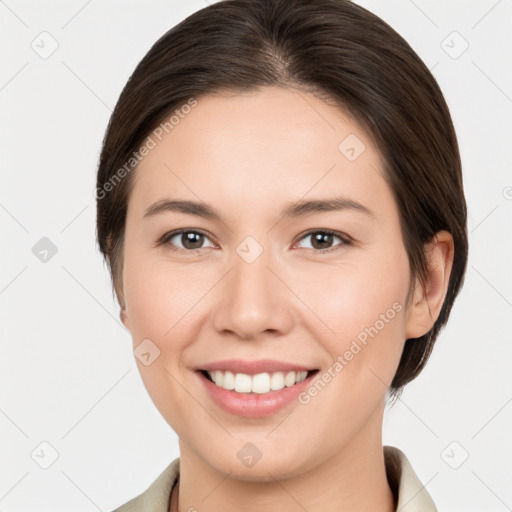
(189, 239)
(321, 240)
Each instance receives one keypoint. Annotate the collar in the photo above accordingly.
(411, 493)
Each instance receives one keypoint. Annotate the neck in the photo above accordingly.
(353, 479)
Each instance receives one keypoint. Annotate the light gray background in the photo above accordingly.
(68, 375)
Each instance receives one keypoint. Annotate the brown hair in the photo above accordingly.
(336, 50)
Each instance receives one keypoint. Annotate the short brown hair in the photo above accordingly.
(337, 50)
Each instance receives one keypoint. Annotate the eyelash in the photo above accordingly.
(165, 240)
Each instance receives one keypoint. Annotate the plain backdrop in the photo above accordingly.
(71, 397)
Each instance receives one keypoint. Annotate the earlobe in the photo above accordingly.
(428, 301)
(124, 318)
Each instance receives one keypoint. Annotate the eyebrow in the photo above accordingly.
(291, 210)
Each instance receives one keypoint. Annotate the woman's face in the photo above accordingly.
(252, 284)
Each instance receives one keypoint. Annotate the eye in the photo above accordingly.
(324, 237)
(190, 239)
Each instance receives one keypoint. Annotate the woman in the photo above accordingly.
(280, 203)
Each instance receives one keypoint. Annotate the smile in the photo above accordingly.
(260, 383)
(255, 395)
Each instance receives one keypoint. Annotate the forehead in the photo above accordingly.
(258, 148)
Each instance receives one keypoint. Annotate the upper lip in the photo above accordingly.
(254, 367)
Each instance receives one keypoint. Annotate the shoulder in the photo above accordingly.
(411, 493)
(156, 497)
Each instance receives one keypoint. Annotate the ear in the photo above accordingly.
(124, 318)
(123, 315)
(427, 303)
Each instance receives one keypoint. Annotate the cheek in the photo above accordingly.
(350, 297)
(160, 303)
(361, 306)
(158, 297)
(167, 303)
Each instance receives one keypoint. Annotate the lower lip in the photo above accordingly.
(254, 405)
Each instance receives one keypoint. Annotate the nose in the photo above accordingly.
(252, 301)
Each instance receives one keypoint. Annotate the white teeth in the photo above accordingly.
(218, 377)
(259, 383)
(242, 383)
(301, 376)
(228, 380)
(289, 380)
(277, 381)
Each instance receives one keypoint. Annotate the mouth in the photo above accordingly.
(257, 384)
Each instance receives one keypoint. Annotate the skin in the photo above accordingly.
(248, 155)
